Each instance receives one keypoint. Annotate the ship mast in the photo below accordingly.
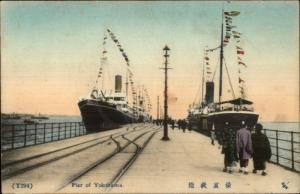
(221, 61)
(203, 79)
(126, 86)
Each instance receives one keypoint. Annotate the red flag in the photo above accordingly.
(239, 48)
(240, 52)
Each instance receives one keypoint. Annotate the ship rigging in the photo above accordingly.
(203, 116)
(107, 108)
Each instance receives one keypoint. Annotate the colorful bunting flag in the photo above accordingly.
(239, 48)
(241, 80)
(236, 33)
(242, 63)
(232, 13)
(240, 52)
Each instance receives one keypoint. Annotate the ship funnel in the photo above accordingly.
(209, 96)
(118, 83)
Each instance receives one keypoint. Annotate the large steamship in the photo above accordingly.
(235, 112)
(106, 109)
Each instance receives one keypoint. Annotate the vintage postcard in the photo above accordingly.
(150, 97)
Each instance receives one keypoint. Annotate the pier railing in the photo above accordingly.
(285, 147)
(22, 135)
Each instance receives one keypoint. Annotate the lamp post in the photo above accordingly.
(166, 55)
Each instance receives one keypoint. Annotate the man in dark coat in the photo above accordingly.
(261, 149)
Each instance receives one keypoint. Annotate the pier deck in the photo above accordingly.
(165, 167)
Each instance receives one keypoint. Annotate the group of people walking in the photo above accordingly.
(238, 144)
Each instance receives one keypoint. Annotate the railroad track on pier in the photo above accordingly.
(9, 174)
(138, 151)
(119, 149)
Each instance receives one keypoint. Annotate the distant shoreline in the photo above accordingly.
(62, 115)
(15, 113)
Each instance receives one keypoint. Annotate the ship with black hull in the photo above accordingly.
(106, 112)
(107, 109)
(234, 112)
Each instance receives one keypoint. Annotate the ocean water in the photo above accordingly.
(286, 142)
(51, 119)
(53, 130)
(283, 126)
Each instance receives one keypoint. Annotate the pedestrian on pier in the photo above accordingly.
(173, 124)
(179, 123)
(244, 147)
(212, 135)
(189, 126)
(183, 124)
(261, 150)
(229, 147)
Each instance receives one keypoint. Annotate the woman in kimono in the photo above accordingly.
(244, 147)
(261, 150)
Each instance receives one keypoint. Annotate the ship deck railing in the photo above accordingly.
(14, 136)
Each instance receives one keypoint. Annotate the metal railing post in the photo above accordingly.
(292, 148)
(58, 131)
(75, 129)
(277, 152)
(13, 137)
(51, 131)
(44, 132)
(71, 124)
(65, 130)
(35, 131)
(25, 135)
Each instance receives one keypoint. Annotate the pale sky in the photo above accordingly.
(50, 52)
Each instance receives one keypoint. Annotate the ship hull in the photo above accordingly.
(204, 122)
(234, 119)
(199, 123)
(98, 116)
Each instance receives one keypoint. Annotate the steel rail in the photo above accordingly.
(31, 167)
